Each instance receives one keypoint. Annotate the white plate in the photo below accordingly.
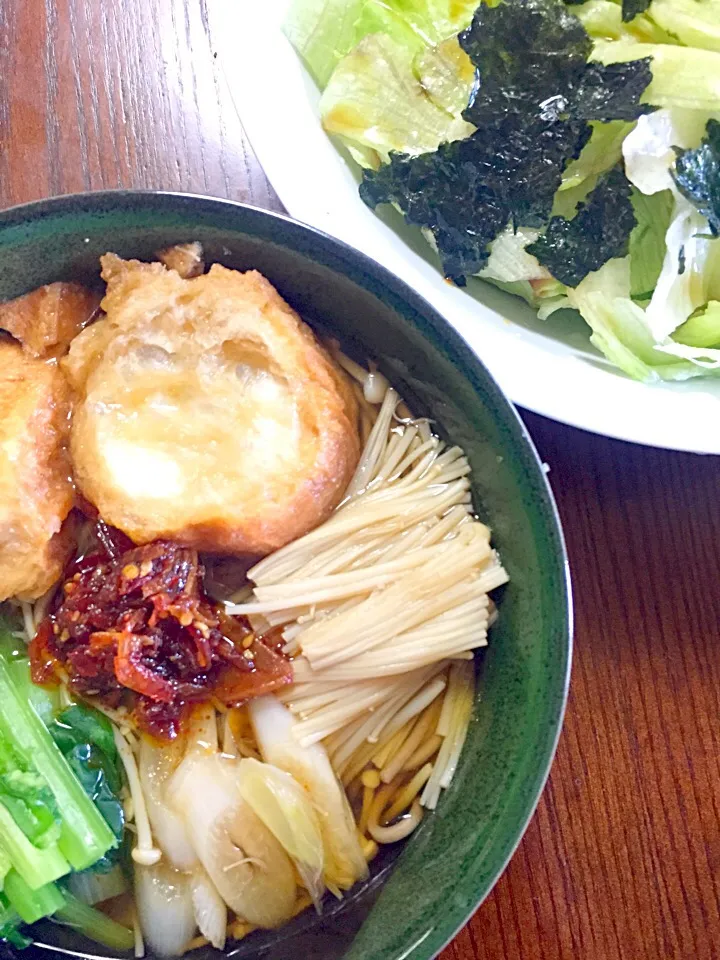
(547, 367)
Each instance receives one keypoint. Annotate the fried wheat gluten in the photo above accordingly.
(46, 320)
(208, 413)
(36, 494)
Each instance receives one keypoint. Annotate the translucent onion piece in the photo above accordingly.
(311, 768)
(156, 766)
(251, 871)
(287, 811)
(165, 909)
(209, 908)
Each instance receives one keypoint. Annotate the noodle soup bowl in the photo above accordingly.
(420, 892)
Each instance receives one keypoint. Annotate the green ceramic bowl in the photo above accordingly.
(422, 892)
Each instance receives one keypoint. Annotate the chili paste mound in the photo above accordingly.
(138, 630)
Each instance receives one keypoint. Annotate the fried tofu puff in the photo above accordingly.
(36, 494)
(46, 320)
(208, 413)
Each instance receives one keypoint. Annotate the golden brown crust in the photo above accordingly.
(36, 494)
(209, 413)
(46, 320)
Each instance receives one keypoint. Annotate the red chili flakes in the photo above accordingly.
(136, 627)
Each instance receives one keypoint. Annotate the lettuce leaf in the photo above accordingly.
(702, 329)
(324, 31)
(601, 153)
(374, 100)
(620, 332)
(601, 18)
(604, 20)
(620, 329)
(647, 241)
(650, 152)
(509, 259)
(447, 75)
(628, 10)
(694, 23)
(683, 284)
(706, 359)
(651, 148)
(681, 76)
(518, 288)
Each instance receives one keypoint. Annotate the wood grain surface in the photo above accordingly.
(622, 859)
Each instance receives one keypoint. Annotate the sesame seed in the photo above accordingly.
(248, 640)
(186, 619)
(248, 654)
(130, 571)
(145, 568)
(75, 616)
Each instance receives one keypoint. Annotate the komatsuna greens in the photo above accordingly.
(60, 808)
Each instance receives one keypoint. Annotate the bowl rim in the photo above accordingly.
(119, 198)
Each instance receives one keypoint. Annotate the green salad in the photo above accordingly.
(567, 152)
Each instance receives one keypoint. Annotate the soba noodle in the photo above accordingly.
(381, 608)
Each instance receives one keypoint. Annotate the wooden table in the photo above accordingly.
(622, 859)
